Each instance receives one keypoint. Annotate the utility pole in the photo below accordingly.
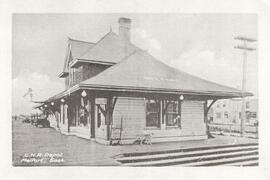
(245, 48)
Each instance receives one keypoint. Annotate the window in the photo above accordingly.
(224, 105)
(218, 106)
(173, 114)
(218, 115)
(226, 115)
(152, 113)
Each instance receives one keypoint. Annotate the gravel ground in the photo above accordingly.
(46, 147)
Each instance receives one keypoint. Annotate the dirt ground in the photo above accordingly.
(33, 146)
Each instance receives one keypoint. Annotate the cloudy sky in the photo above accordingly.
(200, 44)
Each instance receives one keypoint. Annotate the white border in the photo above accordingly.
(169, 6)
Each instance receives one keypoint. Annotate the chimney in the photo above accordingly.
(124, 28)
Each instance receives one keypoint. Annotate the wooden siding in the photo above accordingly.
(83, 72)
(132, 110)
(134, 121)
(193, 118)
(67, 82)
(90, 70)
(78, 75)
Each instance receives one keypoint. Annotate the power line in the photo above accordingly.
(245, 49)
(243, 38)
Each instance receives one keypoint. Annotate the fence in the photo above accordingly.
(234, 129)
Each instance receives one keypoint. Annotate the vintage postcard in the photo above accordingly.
(135, 90)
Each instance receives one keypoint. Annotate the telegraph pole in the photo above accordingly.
(245, 49)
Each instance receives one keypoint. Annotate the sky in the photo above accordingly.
(200, 44)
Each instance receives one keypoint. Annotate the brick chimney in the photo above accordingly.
(124, 28)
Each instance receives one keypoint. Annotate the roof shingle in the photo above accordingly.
(141, 70)
(111, 48)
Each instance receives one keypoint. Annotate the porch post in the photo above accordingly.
(109, 114)
(92, 114)
(62, 113)
(88, 114)
(76, 114)
(107, 118)
(56, 114)
(162, 115)
(67, 111)
(180, 113)
(206, 110)
(205, 118)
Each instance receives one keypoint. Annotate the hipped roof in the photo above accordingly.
(136, 70)
(111, 48)
(142, 71)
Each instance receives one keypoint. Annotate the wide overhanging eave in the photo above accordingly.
(223, 94)
(205, 94)
(78, 62)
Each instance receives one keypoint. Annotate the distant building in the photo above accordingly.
(229, 111)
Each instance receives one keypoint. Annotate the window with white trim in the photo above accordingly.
(172, 115)
(152, 113)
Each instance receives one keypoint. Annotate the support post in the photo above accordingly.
(164, 110)
(205, 119)
(180, 113)
(245, 48)
(68, 116)
(162, 124)
(62, 113)
(89, 114)
(206, 110)
(109, 114)
(243, 109)
(56, 115)
(92, 109)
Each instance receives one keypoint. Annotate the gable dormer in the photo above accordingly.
(75, 48)
(85, 60)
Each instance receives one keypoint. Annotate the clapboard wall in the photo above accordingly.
(132, 111)
(192, 113)
(192, 125)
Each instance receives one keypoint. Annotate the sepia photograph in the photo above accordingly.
(135, 89)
